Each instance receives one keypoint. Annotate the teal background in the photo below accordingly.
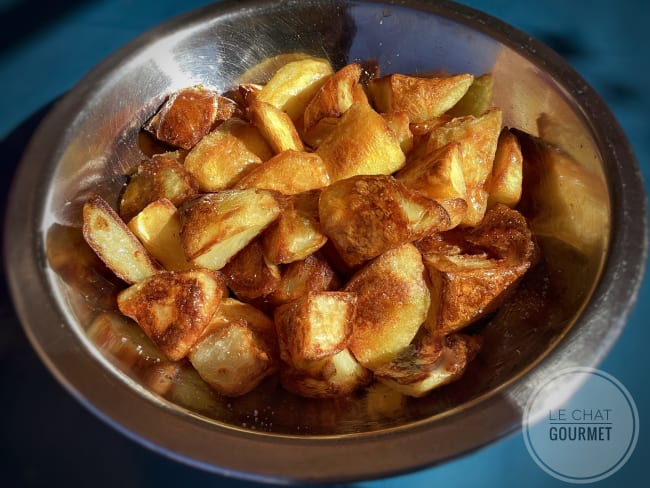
(48, 439)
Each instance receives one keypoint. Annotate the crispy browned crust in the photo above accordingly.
(249, 275)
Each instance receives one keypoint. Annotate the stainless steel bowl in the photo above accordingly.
(594, 243)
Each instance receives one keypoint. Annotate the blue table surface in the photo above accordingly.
(48, 439)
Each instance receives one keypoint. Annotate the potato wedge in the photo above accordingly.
(477, 99)
(421, 98)
(226, 154)
(115, 244)
(439, 175)
(312, 274)
(334, 97)
(174, 308)
(288, 172)
(158, 227)
(314, 326)
(188, 115)
(361, 143)
(505, 182)
(249, 274)
(232, 358)
(367, 215)
(276, 126)
(294, 84)
(398, 123)
(163, 176)
(429, 364)
(478, 138)
(392, 303)
(340, 375)
(216, 226)
(296, 233)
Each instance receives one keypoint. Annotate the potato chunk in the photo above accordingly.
(174, 308)
(289, 172)
(249, 275)
(276, 127)
(392, 302)
(234, 354)
(226, 154)
(428, 364)
(216, 226)
(439, 175)
(367, 215)
(340, 375)
(294, 84)
(162, 176)
(505, 183)
(477, 99)
(297, 232)
(361, 143)
(421, 98)
(158, 227)
(315, 326)
(115, 244)
(188, 115)
(478, 138)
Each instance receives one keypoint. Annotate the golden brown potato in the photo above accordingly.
(398, 122)
(478, 138)
(465, 287)
(276, 126)
(158, 227)
(421, 98)
(174, 308)
(188, 115)
(439, 175)
(367, 215)
(226, 154)
(340, 375)
(249, 274)
(115, 244)
(477, 99)
(315, 326)
(505, 182)
(288, 172)
(429, 364)
(296, 233)
(162, 176)
(334, 97)
(313, 274)
(216, 226)
(232, 358)
(392, 302)
(361, 143)
(294, 84)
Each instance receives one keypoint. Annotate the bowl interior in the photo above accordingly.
(217, 47)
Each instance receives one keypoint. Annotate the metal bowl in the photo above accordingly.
(568, 314)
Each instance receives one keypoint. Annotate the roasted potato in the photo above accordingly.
(289, 172)
(297, 232)
(115, 244)
(421, 98)
(428, 364)
(294, 84)
(158, 227)
(477, 99)
(216, 226)
(505, 182)
(398, 123)
(226, 154)
(367, 215)
(249, 274)
(339, 375)
(361, 143)
(314, 326)
(393, 300)
(174, 308)
(188, 115)
(162, 176)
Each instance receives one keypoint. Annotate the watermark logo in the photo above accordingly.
(591, 435)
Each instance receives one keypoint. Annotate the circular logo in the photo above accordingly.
(590, 435)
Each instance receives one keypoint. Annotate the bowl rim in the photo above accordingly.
(278, 458)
